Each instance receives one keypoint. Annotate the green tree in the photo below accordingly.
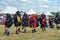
(54, 13)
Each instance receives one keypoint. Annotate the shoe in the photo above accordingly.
(17, 32)
(58, 27)
(32, 31)
(24, 31)
(7, 34)
(22, 28)
(35, 30)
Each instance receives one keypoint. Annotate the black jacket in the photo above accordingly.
(15, 18)
(25, 19)
(8, 20)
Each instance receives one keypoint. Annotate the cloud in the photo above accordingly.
(36, 5)
(10, 10)
(11, 0)
(24, 0)
(56, 7)
(3, 2)
(44, 6)
(43, 0)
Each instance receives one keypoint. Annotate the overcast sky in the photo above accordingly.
(36, 5)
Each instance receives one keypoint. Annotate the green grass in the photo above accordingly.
(50, 34)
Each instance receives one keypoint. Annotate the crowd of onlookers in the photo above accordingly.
(31, 21)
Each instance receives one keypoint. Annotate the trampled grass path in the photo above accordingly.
(50, 34)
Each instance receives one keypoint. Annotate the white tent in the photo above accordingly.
(31, 12)
(47, 13)
(10, 10)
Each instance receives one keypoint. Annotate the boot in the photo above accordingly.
(44, 29)
(35, 30)
(17, 32)
(22, 27)
(58, 27)
(32, 31)
(7, 33)
(24, 31)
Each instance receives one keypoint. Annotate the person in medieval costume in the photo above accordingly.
(8, 24)
(17, 21)
(25, 19)
(32, 23)
(42, 22)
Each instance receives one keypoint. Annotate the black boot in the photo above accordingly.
(7, 33)
(24, 31)
(58, 27)
(32, 31)
(44, 29)
(22, 27)
(17, 32)
(35, 30)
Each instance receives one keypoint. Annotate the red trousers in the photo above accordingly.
(33, 24)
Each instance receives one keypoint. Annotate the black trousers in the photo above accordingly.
(51, 24)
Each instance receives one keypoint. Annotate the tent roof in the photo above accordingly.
(31, 11)
(10, 10)
(47, 13)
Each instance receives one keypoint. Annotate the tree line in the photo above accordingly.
(54, 13)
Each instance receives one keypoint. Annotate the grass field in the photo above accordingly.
(50, 34)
